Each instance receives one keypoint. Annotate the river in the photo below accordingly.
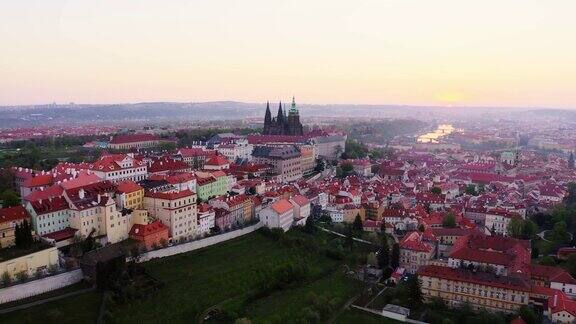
(434, 136)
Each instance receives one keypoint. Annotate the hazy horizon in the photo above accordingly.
(513, 54)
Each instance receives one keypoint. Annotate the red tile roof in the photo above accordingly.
(45, 206)
(39, 180)
(166, 164)
(47, 193)
(498, 250)
(559, 302)
(13, 213)
(218, 160)
(414, 241)
(143, 230)
(83, 179)
(480, 278)
(552, 274)
(171, 195)
(61, 234)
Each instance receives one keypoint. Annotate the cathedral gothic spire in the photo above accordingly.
(280, 117)
(286, 122)
(267, 118)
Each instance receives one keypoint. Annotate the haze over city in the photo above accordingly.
(459, 53)
(239, 162)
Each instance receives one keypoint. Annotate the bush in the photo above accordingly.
(22, 275)
(53, 268)
(334, 254)
(275, 233)
(6, 279)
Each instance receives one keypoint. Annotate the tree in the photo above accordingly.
(346, 168)
(395, 256)
(23, 235)
(339, 172)
(384, 253)
(436, 190)
(571, 161)
(515, 227)
(421, 228)
(309, 226)
(449, 220)
(481, 188)
(535, 252)
(522, 229)
(529, 229)
(371, 259)
(560, 233)
(471, 190)
(376, 153)
(319, 165)
(10, 198)
(354, 150)
(357, 225)
(243, 320)
(414, 292)
(349, 237)
(571, 264)
(549, 261)
(570, 199)
(528, 315)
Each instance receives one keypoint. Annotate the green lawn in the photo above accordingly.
(222, 274)
(357, 316)
(77, 309)
(331, 292)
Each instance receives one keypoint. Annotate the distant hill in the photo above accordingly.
(22, 116)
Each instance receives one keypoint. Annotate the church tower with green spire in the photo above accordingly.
(294, 127)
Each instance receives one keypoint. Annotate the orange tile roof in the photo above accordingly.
(128, 186)
(281, 206)
(300, 200)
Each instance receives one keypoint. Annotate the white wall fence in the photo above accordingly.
(195, 245)
(40, 286)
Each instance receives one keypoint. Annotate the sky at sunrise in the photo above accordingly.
(426, 52)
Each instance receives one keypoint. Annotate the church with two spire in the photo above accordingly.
(284, 123)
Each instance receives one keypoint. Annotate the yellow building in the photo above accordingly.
(350, 213)
(9, 218)
(130, 195)
(479, 289)
(12, 262)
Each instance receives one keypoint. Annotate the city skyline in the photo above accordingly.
(513, 53)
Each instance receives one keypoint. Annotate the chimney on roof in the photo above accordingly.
(81, 193)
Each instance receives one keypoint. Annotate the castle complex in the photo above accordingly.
(283, 124)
